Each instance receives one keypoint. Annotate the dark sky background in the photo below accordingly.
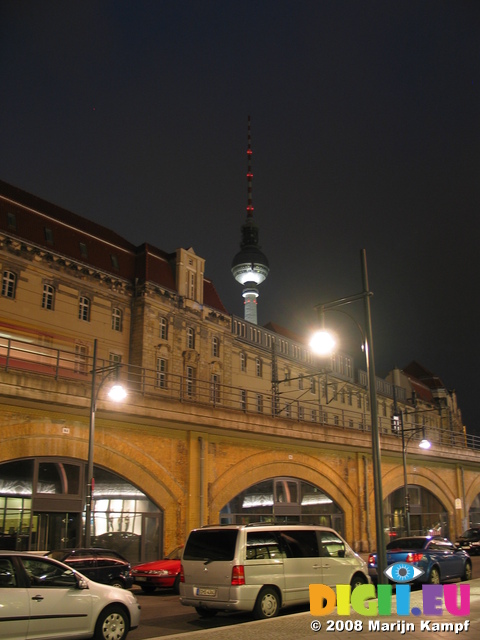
(365, 134)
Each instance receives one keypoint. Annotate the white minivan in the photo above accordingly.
(263, 567)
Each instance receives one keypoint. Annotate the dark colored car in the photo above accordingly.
(438, 558)
(101, 565)
(469, 541)
(159, 573)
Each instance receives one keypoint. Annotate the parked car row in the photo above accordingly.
(44, 598)
(259, 568)
(435, 558)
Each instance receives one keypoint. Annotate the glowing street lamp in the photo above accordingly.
(423, 444)
(117, 393)
(365, 295)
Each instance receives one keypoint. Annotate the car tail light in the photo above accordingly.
(182, 576)
(238, 574)
(414, 557)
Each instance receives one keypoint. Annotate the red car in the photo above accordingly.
(159, 573)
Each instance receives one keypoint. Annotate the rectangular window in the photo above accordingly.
(84, 309)
(190, 382)
(243, 400)
(114, 260)
(48, 297)
(301, 413)
(190, 338)
(215, 388)
(117, 317)
(83, 250)
(81, 359)
(314, 415)
(163, 326)
(259, 403)
(215, 347)
(243, 362)
(258, 367)
(9, 284)
(161, 373)
(313, 386)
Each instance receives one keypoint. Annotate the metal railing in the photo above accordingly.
(20, 356)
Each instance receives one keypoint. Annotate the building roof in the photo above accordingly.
(64, 233)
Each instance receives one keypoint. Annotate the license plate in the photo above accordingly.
(140, 579)
(209, 593)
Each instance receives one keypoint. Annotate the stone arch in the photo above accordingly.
(256, 468)
(114, 450)
(472, 492)
(423, 477)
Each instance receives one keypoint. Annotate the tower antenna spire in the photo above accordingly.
(249, 171)
(250, 265)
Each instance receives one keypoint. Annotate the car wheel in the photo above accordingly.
(203, 612)
(118, 583)
(267, 604)
(467, 574)
(147, 588)
(112, 624)
(176, 584)
(434, 576)
(357, 580)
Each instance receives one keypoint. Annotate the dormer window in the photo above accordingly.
(48, 235)
(83, 250)
(114, 260)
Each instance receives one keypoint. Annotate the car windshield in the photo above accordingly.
(407, 543)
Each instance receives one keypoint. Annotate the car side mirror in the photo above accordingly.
(81, 583)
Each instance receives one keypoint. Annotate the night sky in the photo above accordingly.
(365, 134)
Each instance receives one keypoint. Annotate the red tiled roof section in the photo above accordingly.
(87, 242)
(286, 333)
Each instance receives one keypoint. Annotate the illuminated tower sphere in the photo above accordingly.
(250, 265)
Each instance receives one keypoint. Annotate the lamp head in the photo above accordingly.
(424, 444)
(117, 393)
(322, 343)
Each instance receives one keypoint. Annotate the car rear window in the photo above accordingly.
(407, 543)
(211, 544)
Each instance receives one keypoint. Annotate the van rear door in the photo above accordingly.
(207, 562)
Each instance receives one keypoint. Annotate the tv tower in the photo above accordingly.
(250, 265)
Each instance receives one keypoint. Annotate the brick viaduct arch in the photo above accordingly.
(114, 451)
(256, 468)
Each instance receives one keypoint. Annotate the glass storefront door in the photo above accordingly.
(54, 531)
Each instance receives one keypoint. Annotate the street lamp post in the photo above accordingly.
(365, 295)
(116, 393)
(424, 444)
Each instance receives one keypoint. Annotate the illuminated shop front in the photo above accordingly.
(283, 499)
(427, 514)
(42, 508)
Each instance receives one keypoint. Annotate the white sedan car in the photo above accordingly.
(43, 598)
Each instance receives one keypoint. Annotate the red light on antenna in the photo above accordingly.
(249, 151)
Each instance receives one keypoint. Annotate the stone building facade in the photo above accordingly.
(225, 421)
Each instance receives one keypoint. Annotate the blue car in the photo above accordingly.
(438, 558)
